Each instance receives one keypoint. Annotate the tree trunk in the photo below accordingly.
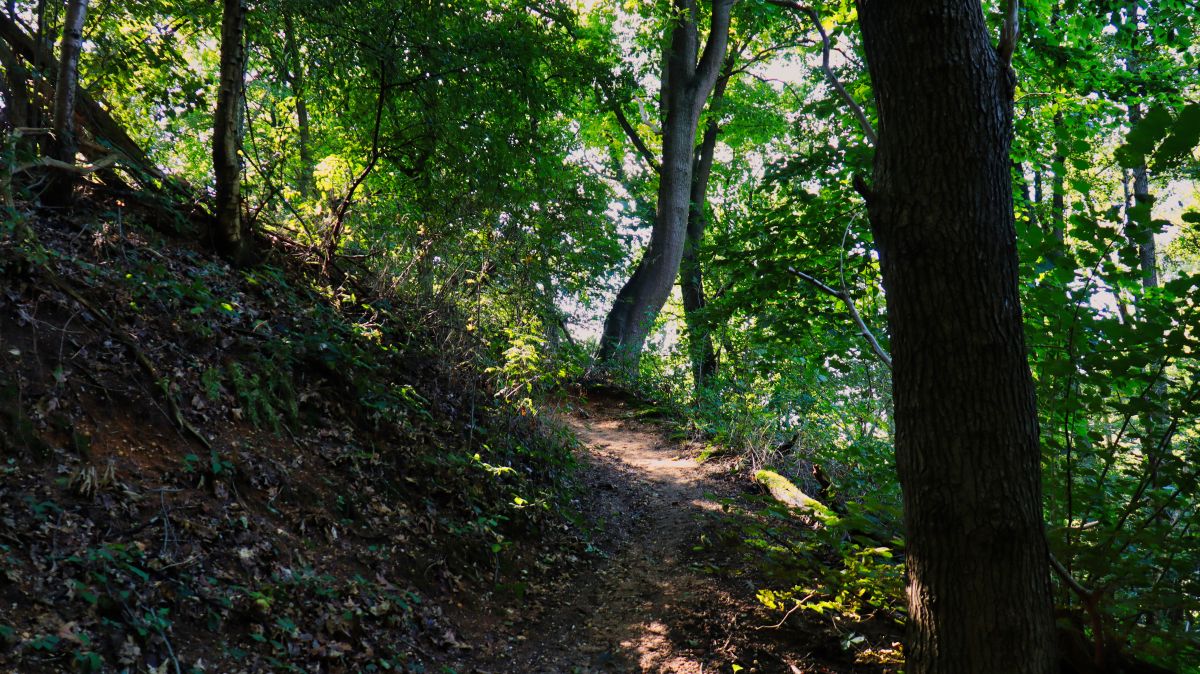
(966, 422)
(1058, 186)
(228, 232)
(691, 275)
(686, 85)
(1147, 253)
(66, 143)
(18, 97)
(296, 79)
(1155, 421)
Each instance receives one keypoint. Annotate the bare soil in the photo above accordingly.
(647, 602)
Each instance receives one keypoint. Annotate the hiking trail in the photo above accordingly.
(647, 603)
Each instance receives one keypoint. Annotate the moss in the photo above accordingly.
(790, 495)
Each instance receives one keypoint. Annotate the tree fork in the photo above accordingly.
(686, 85)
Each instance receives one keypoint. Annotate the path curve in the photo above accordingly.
(647, 603)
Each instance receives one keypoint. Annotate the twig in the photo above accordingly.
(788, 614)
(631, 132)
(170, 651)
(335, 233)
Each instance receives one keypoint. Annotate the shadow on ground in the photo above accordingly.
(650, 601)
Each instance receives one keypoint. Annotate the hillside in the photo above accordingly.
(208, 469)
(244, 468)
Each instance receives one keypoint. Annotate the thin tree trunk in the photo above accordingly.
(691, 275)
(686, 85)
(1058, 186)
(297, 80)
(66, 143)
(1147, 253)
(229, 231)
(1155, 421)
(42, 58)
(967, 448)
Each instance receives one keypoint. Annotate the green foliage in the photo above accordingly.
(468, 157)
(265, 396)
(845, 566)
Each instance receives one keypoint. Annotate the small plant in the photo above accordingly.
(265, 397)
(210, 379)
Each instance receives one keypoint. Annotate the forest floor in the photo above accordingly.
(652, 600)
(321, 487)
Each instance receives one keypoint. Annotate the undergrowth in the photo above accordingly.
(345, 438)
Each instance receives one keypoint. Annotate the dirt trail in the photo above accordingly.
(647, 605)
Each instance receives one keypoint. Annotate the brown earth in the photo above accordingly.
(649, 602)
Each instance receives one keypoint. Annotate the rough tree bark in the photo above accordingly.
(691, 275)
(941, 208)
(686, 84)
(66, 142)
(228, 233)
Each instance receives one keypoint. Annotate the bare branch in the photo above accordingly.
(333, 239)
(845, 298)
(628, 128)
(78, 169)
(863, 121)
(1069, 580)
(636, 139)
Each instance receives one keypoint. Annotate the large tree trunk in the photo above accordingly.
(228, 232)
(66, 142)
(686, 85)
(967, 450)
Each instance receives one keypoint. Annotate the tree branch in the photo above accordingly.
(1009, 32)
(630, 131)
(714, 48)
(844, 296)
(335, 233)
(863, 121)
(78, 169)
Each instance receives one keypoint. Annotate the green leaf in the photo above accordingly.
(1183, 138)
(1143, 137)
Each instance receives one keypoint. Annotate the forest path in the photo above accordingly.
(646, 604)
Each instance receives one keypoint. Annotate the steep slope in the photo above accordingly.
(207, 469)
